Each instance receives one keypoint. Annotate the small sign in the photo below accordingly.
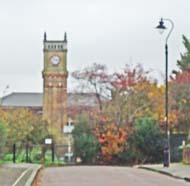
(48, 141)
(68, 129)
(61, 158)
(183, 143)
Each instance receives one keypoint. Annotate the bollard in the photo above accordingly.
(166, 156)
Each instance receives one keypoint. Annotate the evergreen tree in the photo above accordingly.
(184, 63)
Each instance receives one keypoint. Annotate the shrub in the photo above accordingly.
(8, 158)
(85, 143)
(21, 157)
(127, 157)
(86, 146)
(147, 141)
(112, 139)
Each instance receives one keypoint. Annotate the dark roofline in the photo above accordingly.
(82, 93)
(54, 41)
(69, 93)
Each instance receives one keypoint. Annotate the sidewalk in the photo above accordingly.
(18, 174)
(176, 170)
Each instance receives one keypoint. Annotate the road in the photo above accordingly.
(105, 176)
(8, 175)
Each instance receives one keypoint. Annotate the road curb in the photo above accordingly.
(165, 173)
(33, 175)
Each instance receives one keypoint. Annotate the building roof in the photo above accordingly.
(82, 99)
(26, 99)
(18, 99)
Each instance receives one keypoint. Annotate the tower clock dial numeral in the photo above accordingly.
(55, 60)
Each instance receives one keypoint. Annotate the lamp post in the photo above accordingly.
(161, 27)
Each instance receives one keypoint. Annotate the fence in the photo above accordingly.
(39, 153)
(61, 153)
(175, 142)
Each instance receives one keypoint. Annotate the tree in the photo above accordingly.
(130, 94)
(23, 125)
(94, 79)
(86, 145)
(146, 140)
(112, 139)
(184, 63)
(180, 90)
(3, 137)
(40, 130)
(180, 104)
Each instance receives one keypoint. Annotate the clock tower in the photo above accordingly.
(55, 82)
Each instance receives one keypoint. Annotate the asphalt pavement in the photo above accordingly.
(18, 174)
(105, 176)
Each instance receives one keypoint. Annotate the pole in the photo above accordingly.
(27, 159)
(52, 152)
(14, 153)
(167, 143)
(166, 90)
(167, 132)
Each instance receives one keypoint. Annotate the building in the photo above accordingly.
(54, 104)
(55, 76)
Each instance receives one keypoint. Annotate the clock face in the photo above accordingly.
(55, 60)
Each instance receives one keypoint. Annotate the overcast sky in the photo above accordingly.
(111, 32)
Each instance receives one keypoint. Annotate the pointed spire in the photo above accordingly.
(65, 37)
(45, 36)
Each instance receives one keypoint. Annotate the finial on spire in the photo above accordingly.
(45, 36)
(65, 37)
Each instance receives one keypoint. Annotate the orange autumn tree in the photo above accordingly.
(112, 139)
(180, 104)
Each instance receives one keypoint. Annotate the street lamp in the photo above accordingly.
(161, 27)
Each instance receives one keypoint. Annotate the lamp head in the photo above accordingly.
(161, 26)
